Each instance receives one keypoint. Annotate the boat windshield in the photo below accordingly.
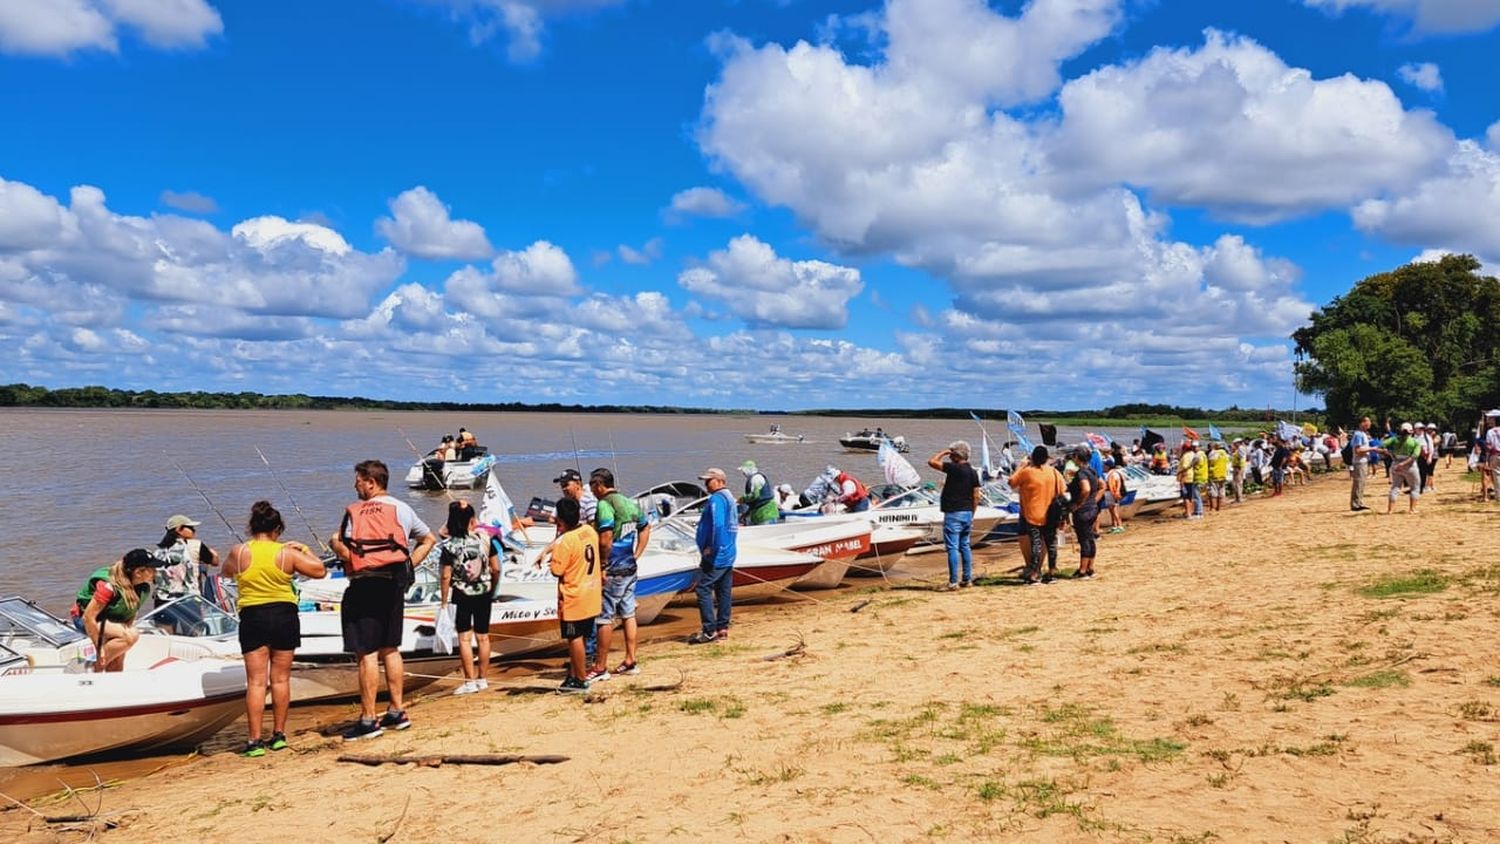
(20, 619)
(996, 494)
(1136, 473)
(917, 497)
(189, 615)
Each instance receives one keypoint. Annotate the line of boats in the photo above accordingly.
(184, 680)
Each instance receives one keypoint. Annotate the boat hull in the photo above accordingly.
(46, 717)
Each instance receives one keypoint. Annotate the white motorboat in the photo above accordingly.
(776, 436)
(661, 573)
(173, 693)
(837, 541)
(867, 440)
(1154, 493)
(920, 510)
(435, 474)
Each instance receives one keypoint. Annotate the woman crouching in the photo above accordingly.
(106, 606)
(270, 631)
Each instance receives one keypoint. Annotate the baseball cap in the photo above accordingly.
(748, 467)
(140, 558)
(180, 520)
(1406, 427)
(713, 474)
(568, 475)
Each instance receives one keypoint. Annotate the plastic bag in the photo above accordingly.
(447, 631)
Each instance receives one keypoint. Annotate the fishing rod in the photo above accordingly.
(422, 461)
(295, 505)
(613, 459)
(204, 495)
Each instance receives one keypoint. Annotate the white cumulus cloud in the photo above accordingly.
(62, 27)
(703, 202)
(767, 290)
(1453, 211)
(1231, 127)
(1426, 16)
(1424, 75)
(421, 225)
(523, 22)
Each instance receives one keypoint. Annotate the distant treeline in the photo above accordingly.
(26, 395)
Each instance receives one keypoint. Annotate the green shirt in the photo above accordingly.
(621, 515)
(116, 609)
(1401, 449)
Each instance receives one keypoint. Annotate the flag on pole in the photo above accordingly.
(1190, 433)
(898, 470)
(1098, 441)
(984, 451)
(497, 510)
(1288, 431)
(1150, 438)
(1213, 433)
(1017, 427)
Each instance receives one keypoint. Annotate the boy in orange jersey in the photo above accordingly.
(580, 587)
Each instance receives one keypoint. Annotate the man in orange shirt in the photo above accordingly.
(1038, 485)
(580, 588)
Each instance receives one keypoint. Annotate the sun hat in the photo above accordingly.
(179, 521)
(748, 467)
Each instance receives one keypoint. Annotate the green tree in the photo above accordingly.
(1418, 342)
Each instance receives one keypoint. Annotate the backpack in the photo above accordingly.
(1057, 511)
(1347, 452)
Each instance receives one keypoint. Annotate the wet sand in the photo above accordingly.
(1276, 672)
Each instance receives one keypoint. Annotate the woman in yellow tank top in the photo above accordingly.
(270, 631)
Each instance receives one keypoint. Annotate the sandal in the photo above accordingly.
(701, 638)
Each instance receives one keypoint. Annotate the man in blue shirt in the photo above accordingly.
(1359, 468)
(718, 528)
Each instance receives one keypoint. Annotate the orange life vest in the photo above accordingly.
(374, 535)
(861, 491)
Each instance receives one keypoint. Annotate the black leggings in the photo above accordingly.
(1083, 528)
(1043, 541)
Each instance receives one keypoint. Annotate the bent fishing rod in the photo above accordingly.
(204, 496)
(293, 500)
(422, 461)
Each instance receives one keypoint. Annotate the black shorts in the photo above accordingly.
(471, 612)
(273, 626)
(371, 613)
(578, 629)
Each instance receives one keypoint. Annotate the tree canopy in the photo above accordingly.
(1421, 342)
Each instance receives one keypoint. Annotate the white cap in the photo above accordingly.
(1406, 427)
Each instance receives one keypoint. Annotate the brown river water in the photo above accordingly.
(81, 487)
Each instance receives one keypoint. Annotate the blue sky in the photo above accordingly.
(746, 203)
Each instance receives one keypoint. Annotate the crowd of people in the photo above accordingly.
(601, 534)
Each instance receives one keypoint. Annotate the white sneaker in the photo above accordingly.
(469, 687)
(481, 684)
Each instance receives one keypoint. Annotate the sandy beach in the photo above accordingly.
(1283, 671)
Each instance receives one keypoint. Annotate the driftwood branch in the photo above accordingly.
(861, 605)
(437, 759)
(796, 650)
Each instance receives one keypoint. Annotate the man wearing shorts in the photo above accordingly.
(624, 532)
(1218, 475)
(374, 543)
(575, 564)
(1187, 478)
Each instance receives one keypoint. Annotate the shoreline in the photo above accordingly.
(1276, 671)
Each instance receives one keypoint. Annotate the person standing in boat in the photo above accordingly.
(760, 496)
(374, 542)
(959, 500)
(574, 561)
(270, 629)
(624, 532)
(183, 558)
(106, 606)
(717, 538)
(470, 566)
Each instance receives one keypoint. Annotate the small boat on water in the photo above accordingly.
(868, 440)
(776, 436)
(434, 474)
(174, 692)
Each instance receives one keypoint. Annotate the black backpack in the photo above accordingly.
(1347, 453)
